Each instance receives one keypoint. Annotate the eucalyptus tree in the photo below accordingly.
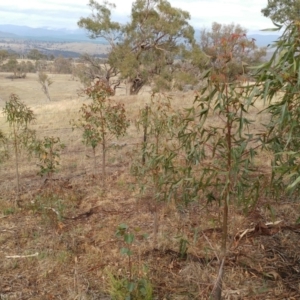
(278, 83)
(148, 49)
(282, 11)
(45, 81)
(221, 40)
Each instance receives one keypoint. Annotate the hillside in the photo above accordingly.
(71, 43)
(62, 243)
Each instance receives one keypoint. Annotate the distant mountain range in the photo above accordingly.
(65, 35)
(45, 34)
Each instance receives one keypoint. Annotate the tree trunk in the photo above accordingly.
(47, 93)
(135, 86)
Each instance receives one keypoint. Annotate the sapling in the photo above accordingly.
(157, 121)
(45, 81)
(135, 285)
(48, 152)
(19, 116)
(223, 148)
(189, 157)
(101, 121)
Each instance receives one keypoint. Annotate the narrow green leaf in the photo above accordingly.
(291, 186)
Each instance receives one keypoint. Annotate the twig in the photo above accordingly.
(211, 246)
(217, 290)
(22, 256)
(54, 210)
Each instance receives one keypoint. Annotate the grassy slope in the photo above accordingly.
(71, 222)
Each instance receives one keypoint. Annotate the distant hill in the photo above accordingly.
(262, 40)
(45, 34)
(7, 35)
(80, 35)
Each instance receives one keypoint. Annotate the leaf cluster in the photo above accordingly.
(277, 83)
(102, 119)
(4, 153)
(17, 113)
(48, 153)
(136, 285)
(147, 48)
(282, 11)
(227, 46)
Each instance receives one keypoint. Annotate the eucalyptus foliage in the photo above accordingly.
(48, 152)
(153, 47)
(19, 116)
(278, 83)
(101, 120)
(3, 146)
(205, 153)
(282, 11)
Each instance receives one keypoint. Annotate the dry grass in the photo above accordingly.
(71, 222)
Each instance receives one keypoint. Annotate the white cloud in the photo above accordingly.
(66, 13)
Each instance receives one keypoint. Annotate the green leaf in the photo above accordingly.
(123, 226)
(126, 251)
(131, 286)
(129, 238)
(291, 186)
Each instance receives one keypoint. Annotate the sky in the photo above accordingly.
(66, 13)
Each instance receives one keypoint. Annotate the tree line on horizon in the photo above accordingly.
(157, 47)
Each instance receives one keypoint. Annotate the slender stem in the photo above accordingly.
(95, 162)
(145, 134)
(17, 164)
(103, 160)
(227, 193)
(155, 226)
(130, 266)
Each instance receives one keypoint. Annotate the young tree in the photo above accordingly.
(19, 116)
(101, 121)
(282, 11)
(45, 81)
(230, 43)
(224, 148)
(48, 152)
(148, 47)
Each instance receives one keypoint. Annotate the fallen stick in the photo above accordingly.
(22, 256)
